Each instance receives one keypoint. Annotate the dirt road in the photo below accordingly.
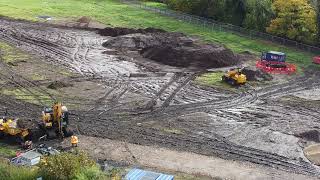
(177, 161)
(126, 97)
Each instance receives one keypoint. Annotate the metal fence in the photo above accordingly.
(218, 26)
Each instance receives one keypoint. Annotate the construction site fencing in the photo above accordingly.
(213, 25)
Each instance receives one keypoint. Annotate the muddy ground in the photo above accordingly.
(119, 94)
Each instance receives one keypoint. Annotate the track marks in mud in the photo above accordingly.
(169, 97)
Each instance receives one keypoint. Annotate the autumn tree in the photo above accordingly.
(295, 19)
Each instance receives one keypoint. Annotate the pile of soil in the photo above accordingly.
(119, 31)
(84, 19)
(58, 85)
(26, 123)
(312, 135)
(204, 56)
(174, 49)
(256, 74)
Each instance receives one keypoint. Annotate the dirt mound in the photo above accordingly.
(204, 56)
(58, 85)
(175, 49)
(84, 19)
(26, 123)
(256, 75)
(119, 31)
(312, 135)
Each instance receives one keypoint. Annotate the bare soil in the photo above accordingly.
(174, 49)
(119, 31)
(127, 97)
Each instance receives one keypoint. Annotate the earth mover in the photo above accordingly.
(9, 127)
(234, 77)
(55, 121)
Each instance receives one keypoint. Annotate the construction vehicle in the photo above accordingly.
(55, 121)
(234, 77)
(9, 127)
(274, 59)
(275, 62)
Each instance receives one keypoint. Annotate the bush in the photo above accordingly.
(69, 166)
(77, 166)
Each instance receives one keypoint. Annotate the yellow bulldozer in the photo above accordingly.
(234, 77)
(55, 121)
(9, 127)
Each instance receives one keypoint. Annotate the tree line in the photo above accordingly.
(294, 19)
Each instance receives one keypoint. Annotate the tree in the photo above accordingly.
(259, 14)
(235, 12)
(216, 10)
(295, 19)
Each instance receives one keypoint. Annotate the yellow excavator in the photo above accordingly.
(234, 77)
(55, 121)
(9, 127)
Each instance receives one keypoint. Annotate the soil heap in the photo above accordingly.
(119, 31)
(58, 85)
(256, 74)
(174, 49)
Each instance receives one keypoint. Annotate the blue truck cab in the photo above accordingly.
(274, 56)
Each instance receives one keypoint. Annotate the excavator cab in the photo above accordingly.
(234, 77)
(55, 121)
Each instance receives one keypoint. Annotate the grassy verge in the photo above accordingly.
(10, 172)
(77, 166)
(113, 13)
(7, 151)
(156, 5)
(213, 79)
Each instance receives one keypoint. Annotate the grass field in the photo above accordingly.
(113, 13)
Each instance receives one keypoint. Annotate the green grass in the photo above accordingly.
(38, 77)
(113, 13)
(61, 166)
(7, 151)
(11, 55)
(156, 4)
(30, 95)
(213, 79)
(10, 172)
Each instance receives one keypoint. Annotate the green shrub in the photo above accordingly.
(92, 173)
(69, 166)
(114, 173)
(11, 172)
